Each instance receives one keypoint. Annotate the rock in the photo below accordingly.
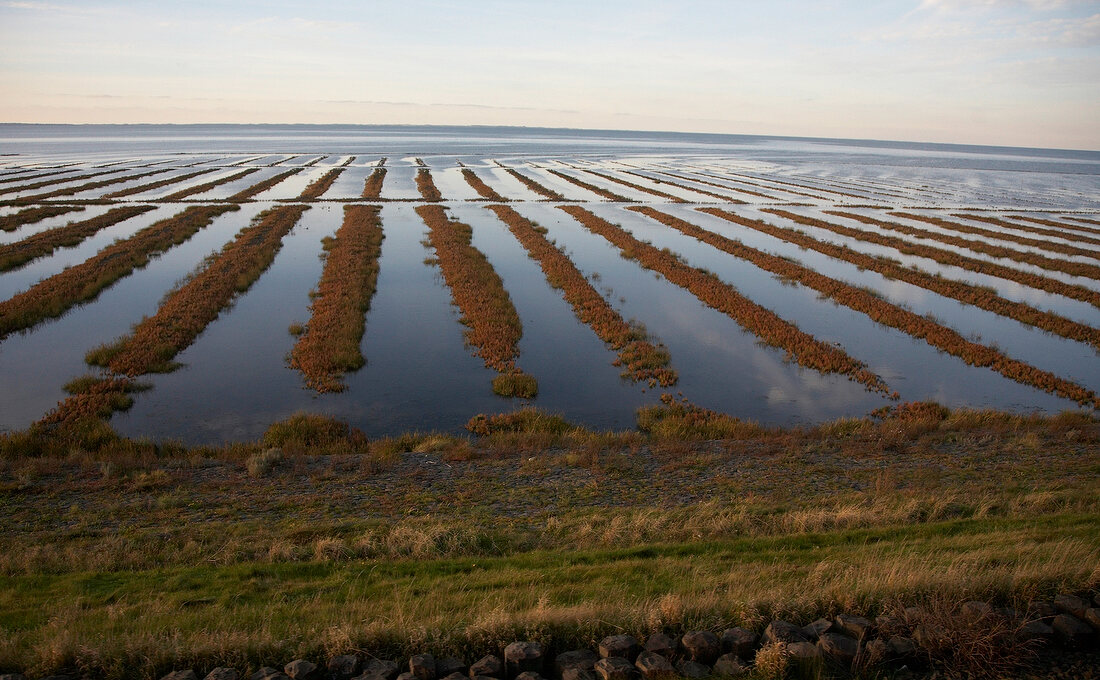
(975, 609)
(577, 673)
(730, 665)
(269, 673)
(300, 669)
(739, 641)
(813, 631)
(1043, 611)
(222, 673)
(876, 651)
(887, 622)
(803, 654)
(913, 614)
(662, 644)
(12, 676)
(615, 668)
(901, 647)
(422, 666)
(654, 666)
(930, 635)
(529, 675)
(701, 646)
(343, 667)
(449, 665)
(520, 657)
(583, 659)
(693, 670)
(782, 631)
(1072, 605)
(488, 665)
(1071, 631)
(455, 676)
(181, 675)
(407, 675)
(1034, 630)
(1092, 617)
(384, 669)
(620, 645)
(838, 649)
(855, 626)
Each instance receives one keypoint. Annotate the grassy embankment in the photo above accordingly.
(636, 187)
(372, 187)
(122, 193)
(330, 345)
(425, 185)
(959, 227)
(31, 215)
(484, 190)
(492, 324)
(318, 187)
(1061, 230)
(44, 243)
(599, 191)
(536, 187)
(207, 186)
(139, 561)
(259, 187)
(88, 186)
(712, 291)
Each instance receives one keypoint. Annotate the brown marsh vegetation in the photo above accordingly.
(1044, 244)
(37, 214)
(69, 191)
(207, 186)
(43, 243)
(425, 185)
(723, 197)
(330, 345)
(1060, 230)
(322, 184)
(534, 186)
(259, 187)
(483, 189)
(609, 195)
(637, 187)
(372, 188)
(121, 193)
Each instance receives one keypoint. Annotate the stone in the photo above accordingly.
(422, 666)
(615, 668)
(488, 665)
(855, 626)
(343, 667)
(620, 645)
(803, 653)
(976, 609)
(739, 641)
(1072, 605)
(701, 646)
(381, 668)
(693, 670)
(1034, 630)
(782, 631)
(913, 614)
(407, 675)
(181, 675)
(876, 651)
(1043, 611)
(455, 676)
(222, 673)
(838, 649)
(1092, 617)
(813, 631)
(577, 673)
(654, 666)
(730, 665)
(584, 659)
(522, 656)
(887, 622)
(300, 669)
(900, 647)
(12, 676)
(930, 635)
(662, 644)
(449, 665)
(1071, 631)
(529, 675)
(269, 673)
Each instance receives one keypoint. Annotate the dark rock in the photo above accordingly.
(181, 675)
(624, 646)
(1034, 630)
(488, 665)
(1043, 611)
(838, 649)
(975, 609)
(577, 673)
(739, 641)
(520, 657)
(693, 670)
(482, 677)
(701, 646)
(407, 675)
(1092, 617)
(529, 675)
(661, 644)
(1072, 605)
(930, 635)
(222, 673)
(615, 668)
(455, 676)
(1072, 631)
(269, 673)
(913, 614)
(448, 665)
(343, 667)
(813, 631)
(1007, 612)
(803, 654)
(300, 669)
(782, 631)
(876, 651)
(12, 676)
(901, 647)
(583, 659)
(730, 665)
(382, 668)
(887, 622)
(422, 666)
(855, 626)
(654, 666)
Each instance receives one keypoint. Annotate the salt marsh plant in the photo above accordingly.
(426, 186)
(483, 189)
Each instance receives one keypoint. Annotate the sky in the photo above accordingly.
(1004, 72)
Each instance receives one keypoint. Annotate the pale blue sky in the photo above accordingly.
(1015, 72)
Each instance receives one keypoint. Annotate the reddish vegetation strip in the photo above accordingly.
(493, 326)
(637, 187)
(610, 195)
(724, 197)
(207, 186)
(1085, 220)
(189, 309)
(330, 346)
(425, 185)
(86, 187)
(372, 188)
(999, 235)
(1077, 228)
(1052, 264)
(535, 186)
(883, 312)
(483, 189)
(96, 400)
(43, 243)
(156, 185)
(1059, 232)
(792, 184)
(55, 180)
(53, 296)
(259, 187)
(317, 188)
(712, 291)
(641, 359)
(29, 215)
(980, 297)
(27, 178)
(694, 178)
(950, 258)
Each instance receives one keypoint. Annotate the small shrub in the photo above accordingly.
(147, 481)
(259, 464)
(527, 420)
(317, 434)
(515, 385)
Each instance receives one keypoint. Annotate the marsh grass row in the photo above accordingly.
(534, 186)
(636, 187)
(425, 185)
(53, 296)
(1042, 244)
(88, 186)
(55, 180)
(599, 191)
(13, 255)
(259, 187)
(1060, 230)
(483, 189)
(723, 197)
(318, 187)
(150, 186)
(641, 360)
(764, 184)
(207, 186)
(945, 257)
(800, 346)
(37, 214)
(886, 313)
(372, 187)
(979, 296)
(330, 345)
(493, 326)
